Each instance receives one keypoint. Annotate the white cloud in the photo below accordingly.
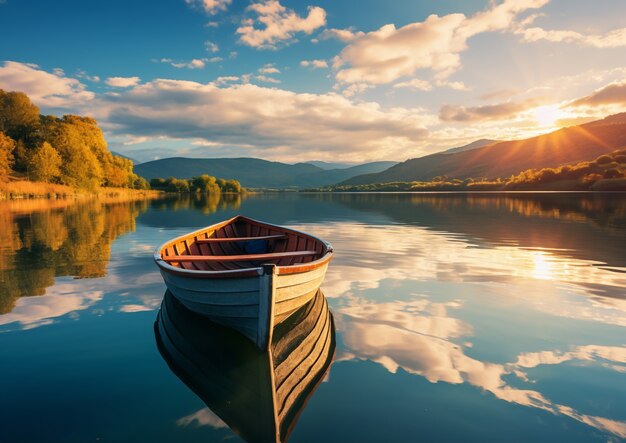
(211, 46)
(196, 63)
(211, 7)
(613, 39)
(269, 69)
(278, 123)
(314, 64)
(456, 85)
(613, 93)
(497, 111)
(122, 82)
(226, 79)
(356, 88)
(278, 24)
(266, 79)
(386, 55)
(44, 88)
(415, 85)
(345, 35)
(82, 74)
(193, 64)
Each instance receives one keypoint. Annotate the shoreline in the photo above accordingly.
(29, 190)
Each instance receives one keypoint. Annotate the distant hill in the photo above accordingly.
(254, 172)
(332, 176)
(250, 172)
(474, 145)
(503, 159)
(331, 165)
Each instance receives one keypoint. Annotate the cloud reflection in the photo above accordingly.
(367, 255)
(202, 417)
(61, 299)
(136, 292)
(383, 280)
(392, 339)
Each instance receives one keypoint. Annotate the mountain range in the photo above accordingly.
(477, 144)
(482, 158)
(257, 173)
(503, 159)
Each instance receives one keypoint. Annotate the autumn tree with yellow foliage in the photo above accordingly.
(45, 164)
(7, 145)
(70, 150)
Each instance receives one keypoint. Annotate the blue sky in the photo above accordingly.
(316, 80)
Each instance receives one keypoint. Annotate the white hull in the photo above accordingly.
(251, 305)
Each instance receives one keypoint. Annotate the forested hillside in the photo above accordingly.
(503, 159)
(70, 150)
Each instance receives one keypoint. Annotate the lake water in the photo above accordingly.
(458, 318)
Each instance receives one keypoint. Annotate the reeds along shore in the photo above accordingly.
(25, 189)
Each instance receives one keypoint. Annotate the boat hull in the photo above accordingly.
(251, 305)
(245, 274)
(260, 395)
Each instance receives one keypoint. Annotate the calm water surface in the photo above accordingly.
(458, 318)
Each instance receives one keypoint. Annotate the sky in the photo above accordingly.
(300, 80)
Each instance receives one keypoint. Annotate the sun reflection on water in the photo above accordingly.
(382, 321)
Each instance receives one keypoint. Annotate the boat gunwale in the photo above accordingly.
(256, 271)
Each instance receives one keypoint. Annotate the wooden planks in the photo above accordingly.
(259, 395)
(236, 239)
(245, 257)
(221, 244)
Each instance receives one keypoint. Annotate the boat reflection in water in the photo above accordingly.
(258, 394)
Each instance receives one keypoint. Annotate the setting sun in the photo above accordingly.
(547, 115)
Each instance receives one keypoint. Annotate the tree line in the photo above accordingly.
(607, 172)
(205, 184)
(70, 150)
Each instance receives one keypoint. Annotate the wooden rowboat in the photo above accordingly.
(259, 395)
(244, 273)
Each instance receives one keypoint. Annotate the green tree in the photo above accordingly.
(178, 185)
(140, 182)
(158, 183)
(231, 186)
(7, 145)
(205, 184)
(45, 164)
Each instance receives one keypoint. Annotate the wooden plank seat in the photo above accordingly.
(246, 257)
(237, 239)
